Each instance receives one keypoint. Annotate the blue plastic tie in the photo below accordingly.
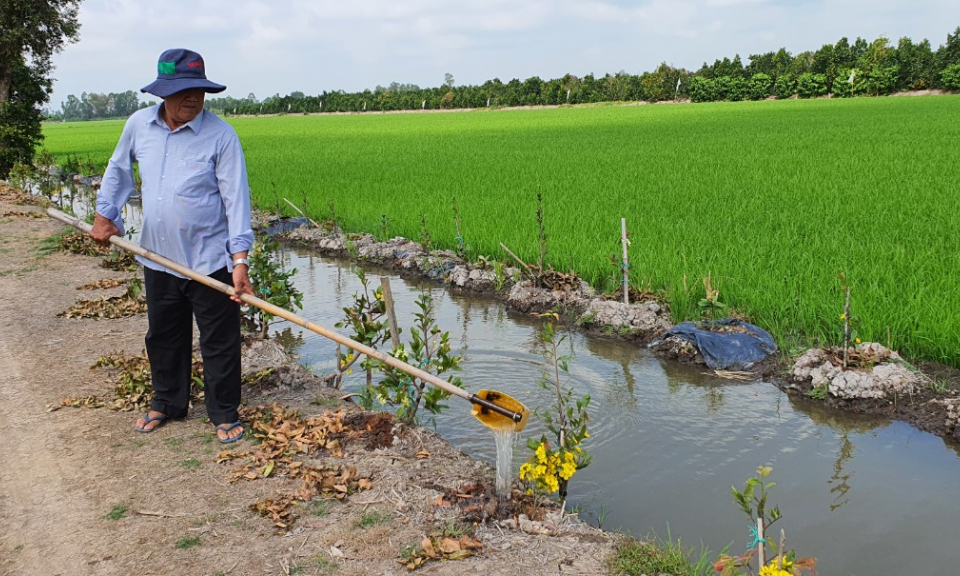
(756, 537)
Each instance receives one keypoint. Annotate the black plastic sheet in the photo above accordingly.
(726, 350)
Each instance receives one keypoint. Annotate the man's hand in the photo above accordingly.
(241, 282)
(102, 230)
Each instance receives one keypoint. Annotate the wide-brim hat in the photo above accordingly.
(180, 69)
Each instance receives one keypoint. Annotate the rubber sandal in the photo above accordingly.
(227, 428)
(162, 419)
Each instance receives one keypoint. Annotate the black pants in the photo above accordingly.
(171, 303)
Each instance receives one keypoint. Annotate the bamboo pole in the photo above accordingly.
(515, 257)
(291, 317)
(626, 262)
(315, 225)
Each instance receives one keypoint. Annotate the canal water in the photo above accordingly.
(866, 496)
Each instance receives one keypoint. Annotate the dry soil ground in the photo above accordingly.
(82, 493)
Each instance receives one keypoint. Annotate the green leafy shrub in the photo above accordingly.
(760, 86)
(785, 86)
(429, 349)
(270, 283)
(950, 77)
(842, 87)
(811, 85)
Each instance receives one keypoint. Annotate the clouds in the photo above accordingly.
(310, 45)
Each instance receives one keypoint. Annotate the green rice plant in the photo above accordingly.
(774, 197)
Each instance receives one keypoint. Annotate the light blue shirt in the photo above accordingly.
(196, 199)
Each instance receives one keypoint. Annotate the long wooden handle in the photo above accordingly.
(290, 316)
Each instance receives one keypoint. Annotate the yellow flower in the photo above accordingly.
(772, 570)
(857, 340)
(843, 316)
(541, 453)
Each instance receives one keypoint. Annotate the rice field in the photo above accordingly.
(775, 200)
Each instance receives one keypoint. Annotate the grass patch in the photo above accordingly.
(320, 564)
(52, 243)
(190, 463)
(187, 542)
(117, 512)
(454, 529)
(655, 556)
(325, 401)
(173, 442)
(372, 518)
(319, 507)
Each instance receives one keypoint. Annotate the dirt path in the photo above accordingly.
(65, 470)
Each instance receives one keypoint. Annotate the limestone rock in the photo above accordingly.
(645, 317)
(881, 380)
(526, 297)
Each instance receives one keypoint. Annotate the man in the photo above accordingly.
(196, 212)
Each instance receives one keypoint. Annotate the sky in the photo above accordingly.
(277, 47)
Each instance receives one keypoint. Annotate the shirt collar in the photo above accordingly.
(194, 124)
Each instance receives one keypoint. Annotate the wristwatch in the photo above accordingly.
(243, 261)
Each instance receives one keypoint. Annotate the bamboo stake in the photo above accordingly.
(515, 416)
(846, 328)
(626, 261)
(783, 542)
(761, 545)
(391, 314)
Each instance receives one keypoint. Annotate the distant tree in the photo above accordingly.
(661, 84)
(31, 32)
(917, 65)
(761, 64)
(949, 53)
(448, 80)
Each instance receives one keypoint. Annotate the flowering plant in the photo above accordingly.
(549, 469)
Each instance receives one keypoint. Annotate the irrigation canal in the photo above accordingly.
(866, 496)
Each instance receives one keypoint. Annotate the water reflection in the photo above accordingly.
(840, 481)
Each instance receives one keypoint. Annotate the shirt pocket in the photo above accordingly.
(198, 178)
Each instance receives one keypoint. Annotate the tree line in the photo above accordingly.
(842, 69)
(99, 106)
